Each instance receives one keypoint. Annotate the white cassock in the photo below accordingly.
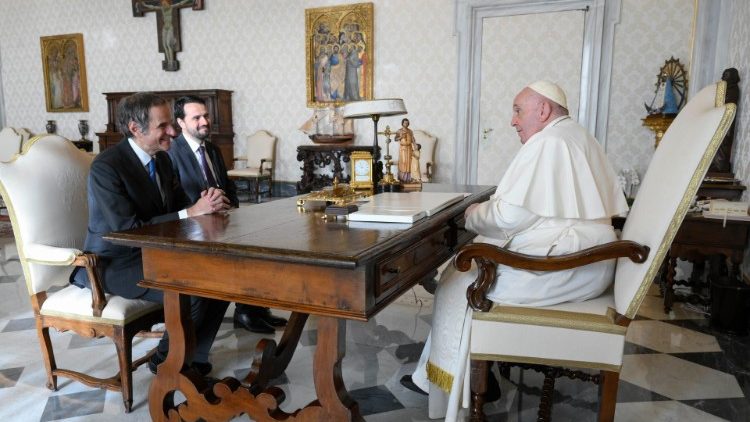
(557, 197)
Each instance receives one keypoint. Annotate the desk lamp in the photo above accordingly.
(375, 109)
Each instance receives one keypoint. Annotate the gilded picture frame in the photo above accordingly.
(339, 54)
(64, 66)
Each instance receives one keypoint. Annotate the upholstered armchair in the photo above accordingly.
(10, 143)
(45, 192)
(427, 154)
(590, 335)
(257, 164)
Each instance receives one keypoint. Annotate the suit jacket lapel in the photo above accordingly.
(151, 191)
(188, 155)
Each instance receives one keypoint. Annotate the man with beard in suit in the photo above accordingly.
(131, 185)
(200, 166)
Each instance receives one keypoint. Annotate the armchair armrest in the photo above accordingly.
(489, 256)
(428, 166)
(52, 255)
(262, 167)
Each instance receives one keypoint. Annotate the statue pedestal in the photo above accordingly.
(659, 124)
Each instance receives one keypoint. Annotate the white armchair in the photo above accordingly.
(591, 334)
(10, 143)
(45, 192)
(427, 154)
(257, 164)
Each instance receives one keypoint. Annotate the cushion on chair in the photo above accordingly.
(247, 172)
(75, 302)
(681, 160)
(549, 344)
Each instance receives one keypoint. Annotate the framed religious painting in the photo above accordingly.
(64, 67)
(339, 54)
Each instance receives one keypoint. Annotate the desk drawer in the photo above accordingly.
(409, 265)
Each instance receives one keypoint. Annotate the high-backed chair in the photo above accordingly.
(426, 154)
(257, 164)
(10, 143)
(45, 191)
(591, 334)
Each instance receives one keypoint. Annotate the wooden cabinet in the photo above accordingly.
(218, 102)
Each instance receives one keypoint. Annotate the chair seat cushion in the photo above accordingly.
(75, 302)
(582, 334)
(247, 172)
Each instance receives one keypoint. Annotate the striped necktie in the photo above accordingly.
(206, 170)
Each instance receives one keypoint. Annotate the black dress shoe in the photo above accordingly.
(407, 382)
(203, 368)
(252, 324)
(266, 315)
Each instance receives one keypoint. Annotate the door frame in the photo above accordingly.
(596, 68)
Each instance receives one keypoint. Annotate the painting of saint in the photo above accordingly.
(64, 73)
(339, 54)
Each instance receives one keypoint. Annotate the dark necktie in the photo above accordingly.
(152, 170)
(206, 170)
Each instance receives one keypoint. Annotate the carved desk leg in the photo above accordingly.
(270, 360)
(335, 401)
(169, 377)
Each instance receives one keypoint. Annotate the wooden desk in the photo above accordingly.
(273, 255)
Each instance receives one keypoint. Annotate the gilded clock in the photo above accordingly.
(362, 170)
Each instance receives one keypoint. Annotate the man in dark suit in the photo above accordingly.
(132, 185)
(199, 165)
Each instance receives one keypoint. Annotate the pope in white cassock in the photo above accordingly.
(557, 197)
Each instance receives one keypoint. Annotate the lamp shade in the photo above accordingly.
(382, 107)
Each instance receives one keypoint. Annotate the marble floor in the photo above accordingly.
(675, 369)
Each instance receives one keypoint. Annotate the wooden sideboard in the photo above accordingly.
(218, 102)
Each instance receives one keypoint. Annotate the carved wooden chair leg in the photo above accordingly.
(548, 389)
(669, 288)
(479, 374)
(124, 345)
(608, 392)
(48, 354)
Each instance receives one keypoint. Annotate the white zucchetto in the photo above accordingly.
(550, 90)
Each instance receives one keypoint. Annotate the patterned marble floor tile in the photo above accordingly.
(9, 377)
(628, 393)
(653, 308)
(376, 399)
(634, 349)
(668, 338)
(66, 406)
(20, 325)
(676, 378)
(730, 409)
(661, 411)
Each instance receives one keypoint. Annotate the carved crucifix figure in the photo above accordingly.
(168, 25)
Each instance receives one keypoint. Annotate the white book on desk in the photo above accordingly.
(404, 207)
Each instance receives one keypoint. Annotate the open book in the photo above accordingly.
(404, 207)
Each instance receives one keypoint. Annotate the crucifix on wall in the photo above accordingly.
(168, 25)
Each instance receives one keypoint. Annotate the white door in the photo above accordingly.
(507, 44)
(518, 50)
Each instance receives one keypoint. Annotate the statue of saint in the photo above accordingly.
(405, 139)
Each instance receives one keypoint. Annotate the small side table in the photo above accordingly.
(700, 239)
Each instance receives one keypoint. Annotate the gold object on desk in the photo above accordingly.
(362, 171)
(340, 194)
(659, 124)
(389, 183)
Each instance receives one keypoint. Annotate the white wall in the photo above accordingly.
(256, 48)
